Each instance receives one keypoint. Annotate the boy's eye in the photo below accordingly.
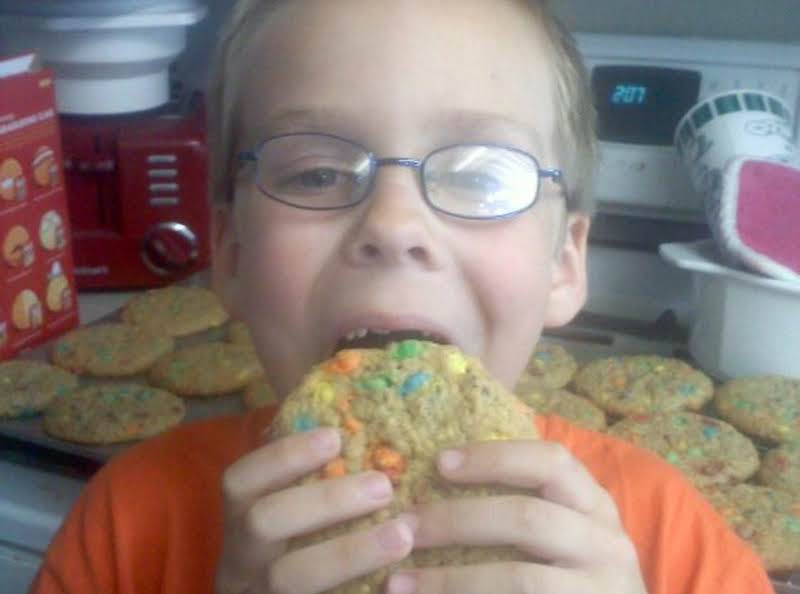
(315, 180)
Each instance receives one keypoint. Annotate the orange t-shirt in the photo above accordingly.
(150, 521)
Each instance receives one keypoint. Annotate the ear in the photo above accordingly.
(569, 283)
(225, 278)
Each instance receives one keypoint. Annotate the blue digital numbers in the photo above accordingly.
(629, 94)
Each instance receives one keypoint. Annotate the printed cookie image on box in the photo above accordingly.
(45, 168)
(58, 295)
(18, 250)
(13, 185)
(51, 231)
(26, 313)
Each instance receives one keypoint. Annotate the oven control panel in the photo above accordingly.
(642, 86)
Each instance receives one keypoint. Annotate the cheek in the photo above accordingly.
(510, 274)
(513, 276)
(276, 269)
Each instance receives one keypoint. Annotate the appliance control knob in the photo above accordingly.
(169, 248)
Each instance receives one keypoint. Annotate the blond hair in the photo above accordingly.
(575, 113)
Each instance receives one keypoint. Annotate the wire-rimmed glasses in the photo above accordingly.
(324, 172)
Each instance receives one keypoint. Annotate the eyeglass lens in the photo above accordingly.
(321, 172)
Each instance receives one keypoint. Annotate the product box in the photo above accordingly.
(37, 287)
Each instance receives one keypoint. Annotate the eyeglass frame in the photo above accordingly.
(554, 174)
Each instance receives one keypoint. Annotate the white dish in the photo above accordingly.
(742, 324)
(105, 65)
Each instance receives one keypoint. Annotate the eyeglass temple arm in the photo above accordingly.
(555, 174)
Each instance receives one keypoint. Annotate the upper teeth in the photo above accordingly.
(357, 333)
(362, 332)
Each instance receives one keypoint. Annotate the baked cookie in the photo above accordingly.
(396, 409)
(259, 393)
(767, 407)
(550, 366)
(769, 519)
(708, 451)
(780, 468)
(110, 350)
(175, 310)
(238, 333)
(563, 403)
(206, 369)
(27, 387)
(643, 384)
(111, 413)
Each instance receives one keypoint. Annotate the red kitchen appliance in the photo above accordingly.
(137, 195)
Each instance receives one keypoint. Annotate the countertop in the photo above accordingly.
(93, 305)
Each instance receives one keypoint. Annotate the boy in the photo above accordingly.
(395, 165)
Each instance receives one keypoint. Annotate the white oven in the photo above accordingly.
(636, 302)
(642, 86)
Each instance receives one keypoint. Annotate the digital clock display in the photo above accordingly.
(629, 94)
(642, 104)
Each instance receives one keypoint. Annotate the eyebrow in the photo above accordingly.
(475, 123)
(484, 122)
(300, 119)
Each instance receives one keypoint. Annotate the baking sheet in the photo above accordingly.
(29, 430)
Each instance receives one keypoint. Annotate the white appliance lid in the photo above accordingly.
(91, 8)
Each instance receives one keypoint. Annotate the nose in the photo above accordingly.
(394, 226)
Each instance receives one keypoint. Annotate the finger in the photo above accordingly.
(547, 467)
(292, 512)
(545, 530)
(326, 565)
(497, 578)
(275, 517)
(276, 465)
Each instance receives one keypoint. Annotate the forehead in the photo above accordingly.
(400, 70)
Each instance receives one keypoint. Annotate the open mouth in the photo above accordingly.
(377, 338)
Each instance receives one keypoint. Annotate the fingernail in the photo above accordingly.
(410, 520)
(325, 441)
(451, 460)
(402, 583)
(376, 485)
(395, 536)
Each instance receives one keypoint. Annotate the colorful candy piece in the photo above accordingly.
(345, 362)
(352, 424)
(323, 393)
(695, 453)
(304, 423)
(375, 383)
(414, 382)
(388, 461)
(456, 364)
(335, 468)
(408, 349)
(793, 524)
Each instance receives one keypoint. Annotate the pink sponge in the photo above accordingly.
(755, 216)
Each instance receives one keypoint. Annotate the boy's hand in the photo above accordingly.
(261, 512)
(572, 523)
